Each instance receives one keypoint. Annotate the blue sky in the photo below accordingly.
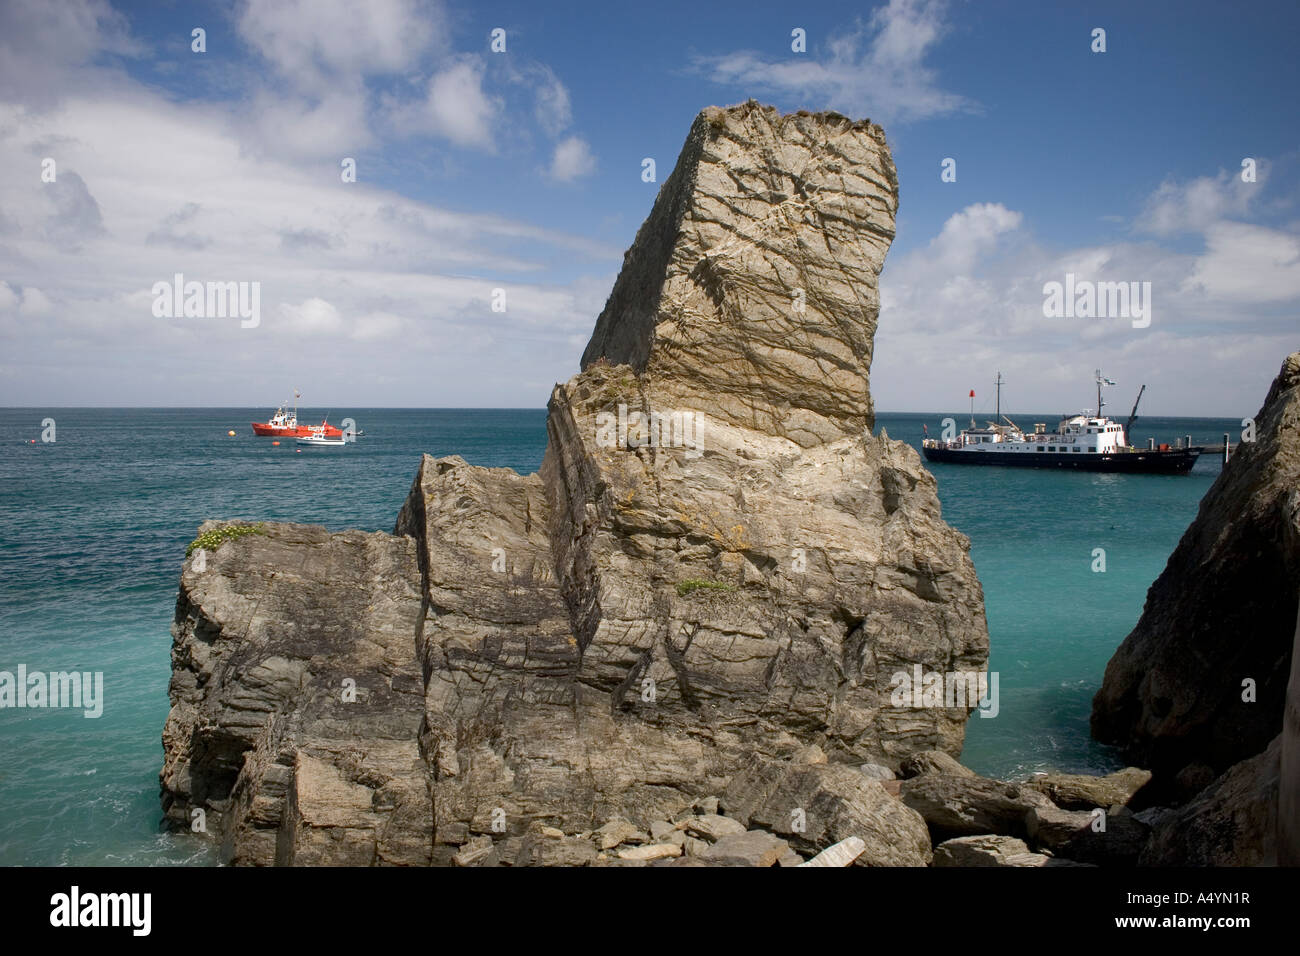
(522, 170)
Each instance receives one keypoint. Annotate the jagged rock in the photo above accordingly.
(661, 830)
(954, 805)
(618, 831)
(814, 807)
(932, 761)
(263, 734)
(1048, 826)
(987, 849)
(1120, 844)
(1233, 822)
(705, 806)
(747, 848)
(811, 754)
(1288, 805)
(839, 854)
(636, 621)
(651, 851)
(1072, 791)
(540, 848)
(479, 851)
(1223, 611)
(712, 827)
(875, 771)
(759, 207)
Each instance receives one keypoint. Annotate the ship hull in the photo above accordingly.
(1175, 461)
(265, 430)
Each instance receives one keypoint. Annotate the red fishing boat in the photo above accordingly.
(283, 424)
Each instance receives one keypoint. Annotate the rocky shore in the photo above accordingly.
(679, 642)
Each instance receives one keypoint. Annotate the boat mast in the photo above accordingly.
(1099, 380)
(997, 413)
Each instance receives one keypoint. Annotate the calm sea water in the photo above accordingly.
(93, 529)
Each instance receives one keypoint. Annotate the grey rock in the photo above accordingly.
(815, 807)
(954, 805)
(1082, 792)
(1051, 827)
(1233, 822)
(712, 827)
(932, 761)
(1172, 693)
(1120, 843)
(747, 848)
(618, 831)
(984, 850)
(1288, 812)
(875, 771)
(629, 625)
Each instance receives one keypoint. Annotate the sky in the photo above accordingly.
(130, 156)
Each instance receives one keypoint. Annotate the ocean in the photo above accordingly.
(94, 525)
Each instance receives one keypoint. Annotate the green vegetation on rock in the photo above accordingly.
(694, 584)
(211, 540)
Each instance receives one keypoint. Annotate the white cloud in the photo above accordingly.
(1247, 263)
(969, 303)
(572, 160)
(875, 69)
(42, 43)
(456, 107)
(554, 110)
(313, 43)
(1192, 206)
(310, 317)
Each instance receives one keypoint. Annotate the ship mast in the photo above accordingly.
(997, 413)
(1101, 380)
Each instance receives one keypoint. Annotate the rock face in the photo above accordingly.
(1222, 612)
(1232, 822)
(760, 258)
(1288, 809)
(716, 565)
(264, 735)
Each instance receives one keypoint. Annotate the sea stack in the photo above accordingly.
(717, 571)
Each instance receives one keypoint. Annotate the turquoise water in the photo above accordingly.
(93, 528)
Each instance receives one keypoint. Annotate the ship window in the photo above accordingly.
(1092, 448)
(1040, 447)
(1078, 448)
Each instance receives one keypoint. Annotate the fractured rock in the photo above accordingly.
(815, 807)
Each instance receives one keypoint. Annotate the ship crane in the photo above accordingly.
(1133, 415)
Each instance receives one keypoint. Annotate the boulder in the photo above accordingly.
(987, 849)
(1073, 791)
(747, 848)
(932, 761)
(838, 854)
(956, 805)
(815, 807)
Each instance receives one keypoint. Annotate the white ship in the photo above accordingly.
(1084, 442)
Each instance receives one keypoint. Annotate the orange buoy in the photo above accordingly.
(275, 443)
(231, 434)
